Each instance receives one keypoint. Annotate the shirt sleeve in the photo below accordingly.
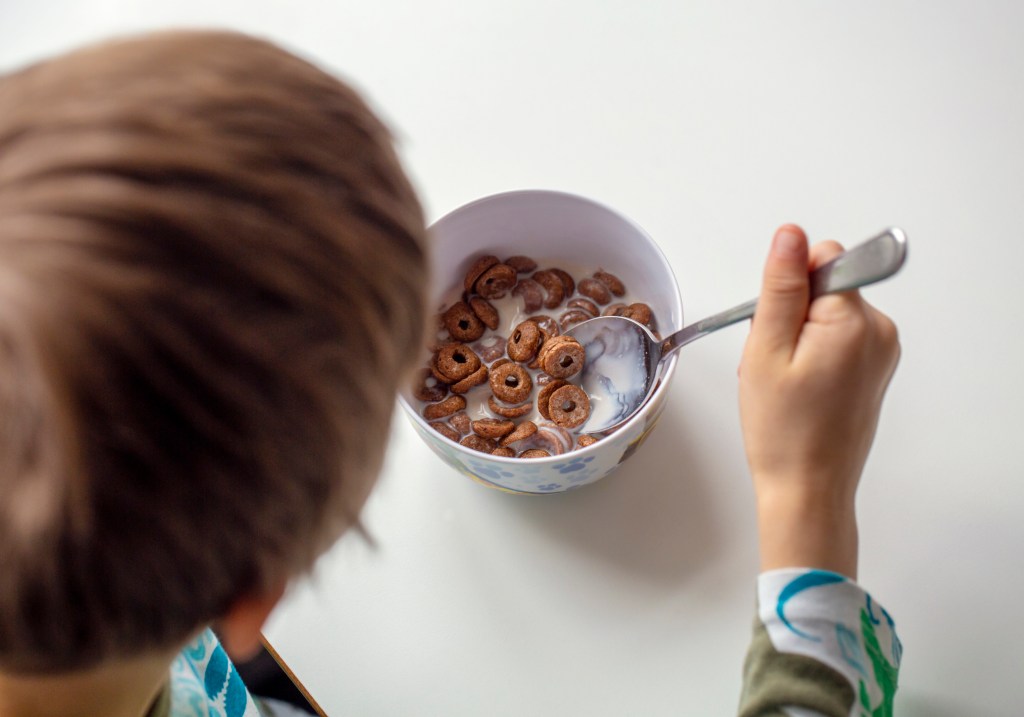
(205, 683)
(821, 648)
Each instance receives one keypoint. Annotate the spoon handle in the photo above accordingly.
(878, 258)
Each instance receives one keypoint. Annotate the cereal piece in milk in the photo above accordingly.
(536, 353)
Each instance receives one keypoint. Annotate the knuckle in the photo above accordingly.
(892, 342)
(785, 285)
(858, 325)
(887, 333)
(821, 252)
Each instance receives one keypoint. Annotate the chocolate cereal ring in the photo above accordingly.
(546, 323)
(613, 282)
(573, 317)
(562, 357)
(503, 451)
(544, 395)
(445, 430)
(428, 388)
(490, 349)
(493, 428)
(523, 430)
(511, 383)
(477, 443)
(460, 422)
(507, 410)
(585, 440)
(552, 286)
(569, 406)
(547, 336)
(641, 313)
(474, 379)
(615, 310)
(496, 281)
(454, 363)
(522, 264)
(462, 323)
(524, 341)
(550, 341)
(559, 432)
(484, 311)
(547, 440)
(532, 294)
(585, 304)
(568, 285)
(596, 290)
(534, 453)
(477, 269)
(445, 408)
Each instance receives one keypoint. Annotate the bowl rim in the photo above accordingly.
(667, 375)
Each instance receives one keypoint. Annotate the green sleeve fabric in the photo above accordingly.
(821, 648)
(773, 679)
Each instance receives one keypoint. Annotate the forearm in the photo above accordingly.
(813, 531)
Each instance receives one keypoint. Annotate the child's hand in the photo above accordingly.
(811, 387)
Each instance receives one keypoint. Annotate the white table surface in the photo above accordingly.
(709, 123)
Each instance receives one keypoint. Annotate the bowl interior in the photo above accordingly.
(556, 229)
(553, 227)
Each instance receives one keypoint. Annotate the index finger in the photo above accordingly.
(831, 306)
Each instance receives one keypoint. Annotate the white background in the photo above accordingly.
(709, 123)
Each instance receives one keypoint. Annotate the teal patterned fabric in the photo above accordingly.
(821, 648)
(204, 683)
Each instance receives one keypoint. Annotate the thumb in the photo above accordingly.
(785, 293)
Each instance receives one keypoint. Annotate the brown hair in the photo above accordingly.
(211, 280)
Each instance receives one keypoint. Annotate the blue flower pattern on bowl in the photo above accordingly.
(576, 464)
(526, 478)
(488, 471)
(543, 476)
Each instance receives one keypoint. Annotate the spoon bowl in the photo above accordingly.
(624, 358)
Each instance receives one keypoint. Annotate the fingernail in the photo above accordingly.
(787, 242)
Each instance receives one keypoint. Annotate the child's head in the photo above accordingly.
(211, 281)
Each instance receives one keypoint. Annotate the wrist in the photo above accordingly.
(807, 529)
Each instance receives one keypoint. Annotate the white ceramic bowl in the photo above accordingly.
(556, 229)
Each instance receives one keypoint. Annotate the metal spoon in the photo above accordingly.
(624, 359)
